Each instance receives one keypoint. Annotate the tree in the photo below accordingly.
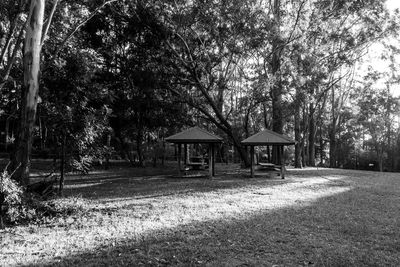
(325, 56)
(32, 47)
(126, 39)
(34, 39)
(378, 109)
(206, 60)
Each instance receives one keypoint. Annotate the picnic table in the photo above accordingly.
(273, 167)
(197, 163)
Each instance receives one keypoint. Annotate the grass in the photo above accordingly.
(315, 217)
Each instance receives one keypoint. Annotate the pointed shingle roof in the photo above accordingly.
(268, 137)
(194, 135)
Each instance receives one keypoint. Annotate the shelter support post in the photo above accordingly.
(211, 160)
(251, 161)
(283, 162)
(179, 160)
(185, 155)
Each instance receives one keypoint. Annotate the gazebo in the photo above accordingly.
(268, 138)
(195, 135)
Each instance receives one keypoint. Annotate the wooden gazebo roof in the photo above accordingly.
(193, 135)
(268, 137)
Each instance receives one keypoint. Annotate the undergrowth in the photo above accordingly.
(20, 207)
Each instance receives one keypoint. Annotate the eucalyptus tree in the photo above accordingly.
(28, 22)
(31, 63)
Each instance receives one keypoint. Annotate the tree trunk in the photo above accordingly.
(297, 136)
(332, 149)
(246, 123)
(265, 116)
(163, 153)
(303, 153)
(108, 154)
(7, 136)
(276, 91)
(304, 130)
(124, 151)
(30, 92)
(332, 134)
(241, 150)
(379, 153)
(62, 166)
(321, 146)
(311, 137)
(139, 139)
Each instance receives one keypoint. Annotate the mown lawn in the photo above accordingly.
(315, 217)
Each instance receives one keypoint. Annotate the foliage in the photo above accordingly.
(14, 201)
(21, 207)
(82, 163)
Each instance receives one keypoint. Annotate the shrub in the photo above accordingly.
(21, 206)
(13, 207)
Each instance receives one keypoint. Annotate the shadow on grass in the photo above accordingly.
(148, 186)
(353, 228)
(122, 184)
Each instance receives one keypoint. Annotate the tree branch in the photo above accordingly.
(80, 24)
(13, 26)
(48, 23)
(11, 61)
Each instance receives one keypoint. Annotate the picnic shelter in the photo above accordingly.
(195, 135)
(269, 138)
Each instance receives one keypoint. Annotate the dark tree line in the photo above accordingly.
(98, 76)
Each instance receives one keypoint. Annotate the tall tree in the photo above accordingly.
(32, 48)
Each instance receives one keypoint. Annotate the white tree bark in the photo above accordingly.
(32, 47)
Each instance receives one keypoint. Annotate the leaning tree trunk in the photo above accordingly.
(31, 62)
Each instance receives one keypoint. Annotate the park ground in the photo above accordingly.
(148, 217)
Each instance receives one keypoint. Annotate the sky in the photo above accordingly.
(392, 4)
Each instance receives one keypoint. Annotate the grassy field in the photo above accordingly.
(315, 217)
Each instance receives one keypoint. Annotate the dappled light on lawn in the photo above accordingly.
(81, 185)
(106, 220)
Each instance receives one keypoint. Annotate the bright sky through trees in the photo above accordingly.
(374, 57)
(392, 5)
